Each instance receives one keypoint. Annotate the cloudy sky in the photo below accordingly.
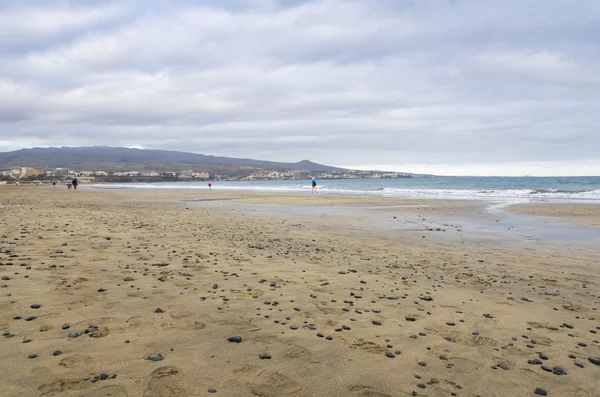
(473, 87)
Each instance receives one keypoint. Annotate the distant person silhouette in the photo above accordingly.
(75, 182)
(314, 186)
(209, 185)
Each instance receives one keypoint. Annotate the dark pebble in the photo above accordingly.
(390, 354)
(422, 363)
(410, 319)
(65, 326)
(101, 290)
(212, 390)
(36, 306)
(74, 335)
(264, 356)
(594, 360)
(32, 355)
(546, 368)
(236, 339)
(540, 392)
(451, 324)
(57, 353)
(375, 322)
(215, 286)
(534, 362)
(421, 385)
(580, 365)
(155, 357)
(320, 335)
(103, 376)
(475, 333)
(158, 310)
(543, 356)
(329, 337)
(27, 341)
(30, 318)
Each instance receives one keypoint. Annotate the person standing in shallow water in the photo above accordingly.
(209, 185)
(314, 186)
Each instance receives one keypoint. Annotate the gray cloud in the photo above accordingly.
(353, 82)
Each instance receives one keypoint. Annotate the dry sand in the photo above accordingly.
(248, 267)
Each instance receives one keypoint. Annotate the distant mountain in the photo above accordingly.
(119, 158)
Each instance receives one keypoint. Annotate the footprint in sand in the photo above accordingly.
(372, 394)
(106, 391)
(370, 347)
(60, 387)
(276, 384)
(295, 351)
(165, 382)
(76, 361)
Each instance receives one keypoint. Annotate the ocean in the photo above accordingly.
(578, 189)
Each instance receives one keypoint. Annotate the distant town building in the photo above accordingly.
(61, 171)
(27, 172)
(201, 175)
(186, 173)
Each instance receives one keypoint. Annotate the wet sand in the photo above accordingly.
(365, 297)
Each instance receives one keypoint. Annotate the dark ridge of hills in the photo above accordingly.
(119, 158)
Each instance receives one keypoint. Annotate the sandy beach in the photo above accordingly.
(135, 293)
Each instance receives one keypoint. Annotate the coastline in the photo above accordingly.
(317, 251)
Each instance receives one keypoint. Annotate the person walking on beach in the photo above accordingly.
(314, 186)
(75, 182)
(209, 185)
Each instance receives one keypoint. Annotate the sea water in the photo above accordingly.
(577, 189)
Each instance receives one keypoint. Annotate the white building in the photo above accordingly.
(201, 175)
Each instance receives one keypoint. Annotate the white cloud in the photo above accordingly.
(353, 82)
